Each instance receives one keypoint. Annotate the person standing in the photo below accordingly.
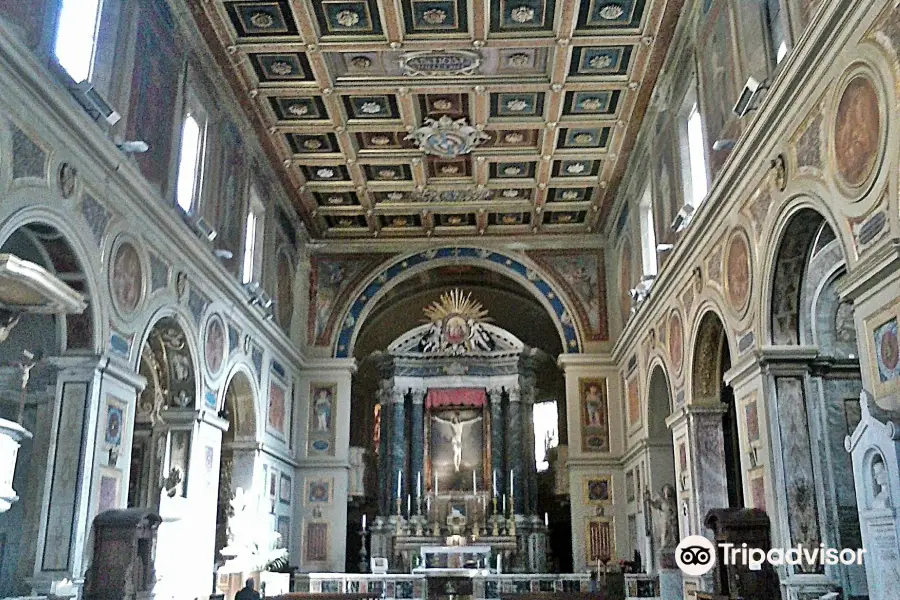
(248, 593)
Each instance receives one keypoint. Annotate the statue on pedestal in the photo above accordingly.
(665, 517)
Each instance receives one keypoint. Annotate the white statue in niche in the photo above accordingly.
(881, 491)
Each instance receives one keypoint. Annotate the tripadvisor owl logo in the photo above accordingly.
(695, 555)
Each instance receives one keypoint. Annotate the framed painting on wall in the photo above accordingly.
(594, 415)
(276, 415)
(598, 489)
(884, 339)
(601, 544)
(315, 542)
(319, 490)
(284, 489)
(320, 428)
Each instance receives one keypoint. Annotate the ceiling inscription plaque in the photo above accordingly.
(435, 63)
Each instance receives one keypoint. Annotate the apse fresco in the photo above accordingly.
(457, 448)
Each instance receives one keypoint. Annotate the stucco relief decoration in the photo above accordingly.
(738, 272)
(594, 415)
(456, 326)
(436, 63)
(447, 137)
(67, 177)
(126, 277)
(857, 131)
(284, 290)
(277, 408)
(214, 347)
(676, 341)
(583, 275)
(625, 279)
(633, 391)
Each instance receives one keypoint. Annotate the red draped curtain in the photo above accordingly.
(439, 398)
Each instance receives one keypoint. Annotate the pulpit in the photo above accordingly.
(122, 563)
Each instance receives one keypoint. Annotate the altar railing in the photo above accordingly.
(395, 586)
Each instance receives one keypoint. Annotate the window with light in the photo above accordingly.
(189, 163)
(76, 37)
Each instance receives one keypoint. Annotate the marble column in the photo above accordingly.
(417, 442)
(498, 446)
(398, 450)
(527, 385)
(385, 392)
(515, 446)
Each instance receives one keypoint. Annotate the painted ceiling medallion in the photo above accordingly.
(262, 20)
(518, 60)
(361, 62)
(447, 138)
(325, 173)
(298, 110)
(513, 138)
(601, 61)
(517, 105)
(456, 325)
(522, 14)
(434, 16)
(370, 108)
(347, 18)
(575, 168)
(279, 67)
(510, 193)
(590, 104)
(611, 12)
(436, 63)
(583, 138)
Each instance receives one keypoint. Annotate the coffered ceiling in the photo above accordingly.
(544, 99)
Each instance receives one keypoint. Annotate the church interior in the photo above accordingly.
(449, 299)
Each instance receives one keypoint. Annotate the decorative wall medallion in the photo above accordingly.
(436, 63)
(857, 131)
(738, 276)
(676, 341)
(886, 351)
(447, 138)
(214, 347)
(126, 278)
(67, 178)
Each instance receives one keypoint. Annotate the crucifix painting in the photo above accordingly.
(457, 447)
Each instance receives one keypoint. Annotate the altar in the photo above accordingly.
(456, 451)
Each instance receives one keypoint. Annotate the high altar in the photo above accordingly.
(456, 470)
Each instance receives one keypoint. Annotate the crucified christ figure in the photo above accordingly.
(456, 429)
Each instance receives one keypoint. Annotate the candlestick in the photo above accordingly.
(364, 522)
(495, 482)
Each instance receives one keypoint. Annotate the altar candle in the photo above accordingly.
(364, 523)
(495, 482)
(546, 520)
(399, 481)
(512, 483)
(419, 484)
(474, 484)
(504, 504)
(435, 485)
(408, 505)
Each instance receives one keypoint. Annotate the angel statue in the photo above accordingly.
(456, 435)
(666, 524)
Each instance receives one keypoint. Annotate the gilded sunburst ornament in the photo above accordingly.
(583, 138)
(457, 324)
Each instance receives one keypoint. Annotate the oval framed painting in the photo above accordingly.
(738, 271)
(857, 136)
(676, 341)
(214, 345)
(126, 277)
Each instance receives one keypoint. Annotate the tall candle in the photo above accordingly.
(495, 482)
(419, 484)
(512, 483)
(504, 504)
(399, 481)
(435, 485)
(474, 483)
(546, 520)
(364, 523)
(408, 505)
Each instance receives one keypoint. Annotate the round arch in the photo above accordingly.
(709, 345)
(183, 323)
(520, 269)
(791, 229)
(659, 402)
(84, 257)
(240, 402)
